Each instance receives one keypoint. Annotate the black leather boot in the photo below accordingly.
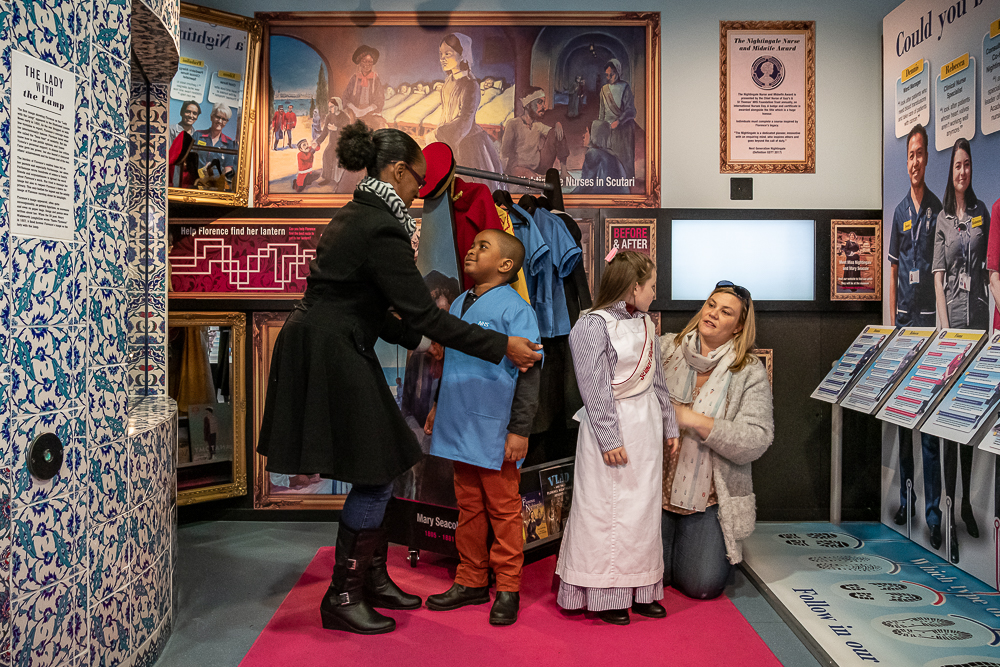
(505, 607)
(458, 596)
(344, 606)
(379, 589)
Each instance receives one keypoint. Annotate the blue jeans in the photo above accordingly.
(694, 553)
(364, 507)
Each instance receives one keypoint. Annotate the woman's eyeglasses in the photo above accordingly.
(742, 292)
(421, 181)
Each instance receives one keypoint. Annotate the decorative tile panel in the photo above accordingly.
(108, 248)
(111, 550)
(109, 481)
(44, 29)
(27, 489)
(108, 338)
(45, 368)
(111, 93)
(107, 402)
(111, 27)
(45, 544)
(111, 635)
(45, 278)
(108, 173)
(47, 625)
(149, 535)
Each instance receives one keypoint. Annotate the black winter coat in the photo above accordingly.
(328, 408)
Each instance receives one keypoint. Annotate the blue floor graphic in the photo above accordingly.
(862, 594)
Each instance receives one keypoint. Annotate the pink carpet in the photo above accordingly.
(694, 633)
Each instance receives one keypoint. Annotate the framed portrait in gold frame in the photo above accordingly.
(767, 97)
(855, 260)
(205, 353)
(766, 357)
(271, 490)
(212, 108)
(511, 92)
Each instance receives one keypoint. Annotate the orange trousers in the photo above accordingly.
(489, 497)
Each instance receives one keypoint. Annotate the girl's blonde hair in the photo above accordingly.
(621, 274)
(743, 341)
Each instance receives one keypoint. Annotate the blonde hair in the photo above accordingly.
(620, 275)
(743, 341)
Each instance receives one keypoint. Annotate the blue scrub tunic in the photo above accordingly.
(473, 407)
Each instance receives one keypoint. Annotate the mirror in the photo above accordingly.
(205, 359)
(212, 108)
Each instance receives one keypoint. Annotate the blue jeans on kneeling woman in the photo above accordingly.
(694, 553)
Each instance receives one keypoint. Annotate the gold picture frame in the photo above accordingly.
(864, 282)
(766, 357)
(765, 44)
(186, 182)
(265, 331)
(201, 322)
(510, 54)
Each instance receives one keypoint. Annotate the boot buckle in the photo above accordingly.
(344, 598)
(352, 564)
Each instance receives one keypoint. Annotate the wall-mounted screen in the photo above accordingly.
(774, 259)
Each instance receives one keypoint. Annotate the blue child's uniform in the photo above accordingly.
(474, 405)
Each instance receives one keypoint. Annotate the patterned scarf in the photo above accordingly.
(385, 192)
(693, 479)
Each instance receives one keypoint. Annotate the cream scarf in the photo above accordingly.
(693, 479)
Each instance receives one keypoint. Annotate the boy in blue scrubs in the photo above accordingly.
(911, 304)
(481, 422)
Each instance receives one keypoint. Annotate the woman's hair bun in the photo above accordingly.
(356, 147)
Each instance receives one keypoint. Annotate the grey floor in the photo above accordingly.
(231, 576)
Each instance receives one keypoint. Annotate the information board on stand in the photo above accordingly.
(913, 399)
(970, 405)
(892, 363)
(850, 366)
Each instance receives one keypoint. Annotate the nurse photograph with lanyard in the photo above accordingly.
(723, 403)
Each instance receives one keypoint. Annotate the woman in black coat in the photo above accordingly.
(328, 408)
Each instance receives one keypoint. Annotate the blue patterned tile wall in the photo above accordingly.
(86, 556)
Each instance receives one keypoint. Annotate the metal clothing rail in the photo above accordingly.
(552, 185)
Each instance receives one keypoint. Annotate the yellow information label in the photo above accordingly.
(954, 67)
(995, 29)
(959, 335)
(917, 333)
(908, 225)
(977, 221)
(913, 70)
(233, 76)
(879, 330)
(192, 62)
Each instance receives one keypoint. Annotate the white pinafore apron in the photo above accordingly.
(612, 538)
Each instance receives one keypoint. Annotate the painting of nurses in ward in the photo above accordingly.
(516, 100)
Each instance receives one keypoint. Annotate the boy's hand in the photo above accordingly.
(515, 447)
(616, 457)
(429, 424)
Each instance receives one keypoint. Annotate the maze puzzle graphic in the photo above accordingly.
(273, 267)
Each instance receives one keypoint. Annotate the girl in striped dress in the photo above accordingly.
(611, 558)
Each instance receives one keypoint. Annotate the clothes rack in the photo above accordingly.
(552, 185)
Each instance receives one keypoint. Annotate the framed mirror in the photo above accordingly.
(212, 108)
(205, 359)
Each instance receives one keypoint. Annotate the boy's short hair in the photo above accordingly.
(510, 248)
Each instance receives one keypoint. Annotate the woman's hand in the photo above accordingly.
(672, 445)
(521, 352)
(689, 419)
(616, 457)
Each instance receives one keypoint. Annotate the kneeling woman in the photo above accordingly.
(723, 404)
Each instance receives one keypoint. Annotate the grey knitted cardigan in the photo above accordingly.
(736, 441)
